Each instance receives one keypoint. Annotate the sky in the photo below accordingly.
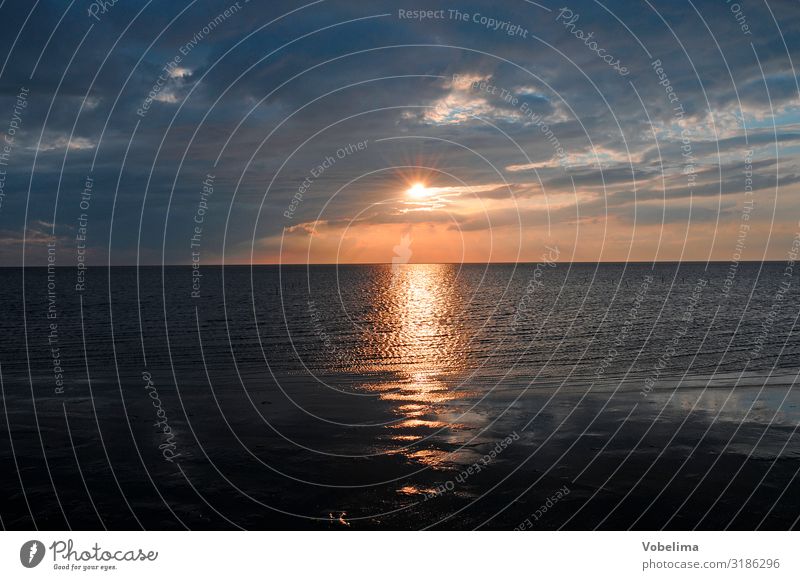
(214, 132)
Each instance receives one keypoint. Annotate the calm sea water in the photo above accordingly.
(454, 396)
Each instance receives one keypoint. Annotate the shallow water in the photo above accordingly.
(374, 397)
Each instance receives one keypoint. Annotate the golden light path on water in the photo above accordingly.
(420, 306)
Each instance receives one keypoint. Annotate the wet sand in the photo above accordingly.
(675, 459)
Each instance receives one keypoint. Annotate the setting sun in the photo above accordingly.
(418, 190)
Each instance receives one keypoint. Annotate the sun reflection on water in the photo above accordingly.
(419, 327)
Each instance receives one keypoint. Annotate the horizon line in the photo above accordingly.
(498, 263)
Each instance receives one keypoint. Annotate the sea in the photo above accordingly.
(401, 396)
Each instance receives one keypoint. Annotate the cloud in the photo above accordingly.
(58, 142)
(260, 107)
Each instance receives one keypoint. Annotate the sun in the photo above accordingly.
(418, 190)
